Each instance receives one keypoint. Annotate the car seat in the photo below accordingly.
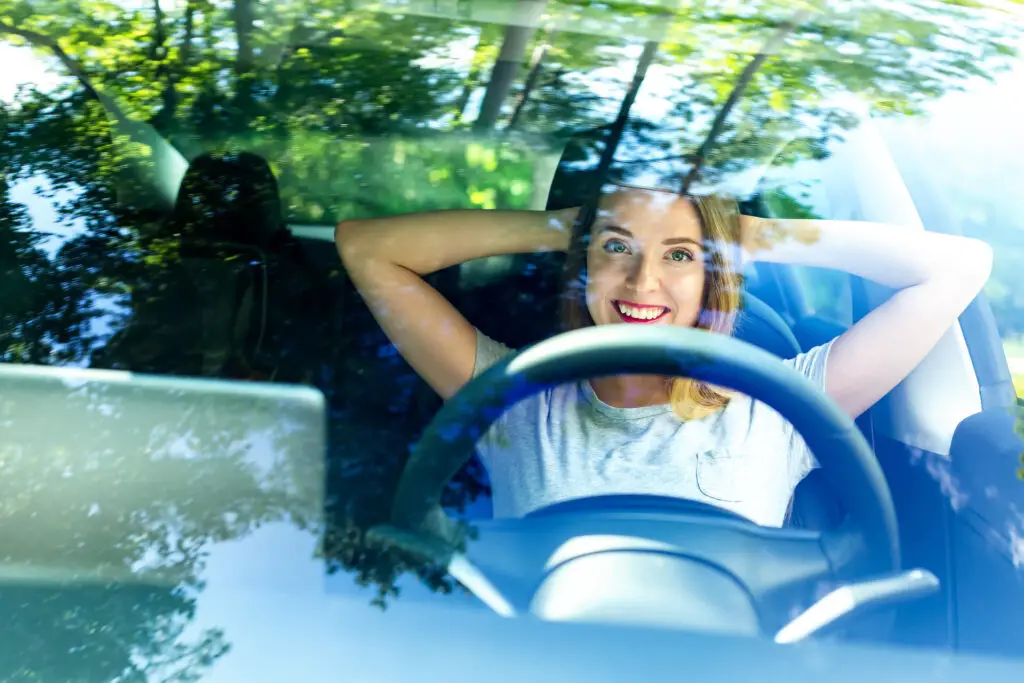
(761, 326)
(224, 254)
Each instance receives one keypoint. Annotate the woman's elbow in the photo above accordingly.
(976, 258)
(347, 237)
(968, 265)
(343, 232)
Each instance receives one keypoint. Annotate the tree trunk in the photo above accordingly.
(244, 15)
(536, 63)
(472, 78)
(588, 212)
(67, 61)
(741, 84)
(190, 30)
(159, 37)
(619, 125)
(513, 49)
(163, 119)
(245, 101)
(467, 92)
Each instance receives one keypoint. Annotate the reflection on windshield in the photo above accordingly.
(151, 163)
(114, 494)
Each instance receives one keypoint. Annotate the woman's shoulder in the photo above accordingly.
(488, 352)
(811, 364)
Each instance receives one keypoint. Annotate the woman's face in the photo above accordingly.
(645, 262)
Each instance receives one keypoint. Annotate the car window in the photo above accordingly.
(170, 179)
(983, 150)
(828, 294)
(818, 293)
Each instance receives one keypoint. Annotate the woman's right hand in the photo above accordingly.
(386, 259)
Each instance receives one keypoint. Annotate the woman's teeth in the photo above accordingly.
(640, 313)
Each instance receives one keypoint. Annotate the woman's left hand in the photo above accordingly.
(759, 235)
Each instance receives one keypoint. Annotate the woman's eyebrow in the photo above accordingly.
(669, 242)
(682, 240)
(617, 229)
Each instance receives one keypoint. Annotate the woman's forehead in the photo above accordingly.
(644, 209)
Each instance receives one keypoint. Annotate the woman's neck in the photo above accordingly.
(631, 391)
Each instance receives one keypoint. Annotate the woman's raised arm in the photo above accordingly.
(386, 258)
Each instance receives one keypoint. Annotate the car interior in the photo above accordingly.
(274, 265)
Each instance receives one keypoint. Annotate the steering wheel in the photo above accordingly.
(868, 541)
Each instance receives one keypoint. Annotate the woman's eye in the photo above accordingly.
(680, 255)
(616, 247)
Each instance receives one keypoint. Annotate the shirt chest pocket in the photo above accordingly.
(724, 475)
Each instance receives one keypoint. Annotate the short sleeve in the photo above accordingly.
(488, 352)
(812, 364)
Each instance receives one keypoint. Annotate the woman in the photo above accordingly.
(653, 257)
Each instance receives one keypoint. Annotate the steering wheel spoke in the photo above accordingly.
(435, 542)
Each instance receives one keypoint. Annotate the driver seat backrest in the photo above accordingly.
(761, 326)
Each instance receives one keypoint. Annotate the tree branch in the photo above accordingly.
(69, 62)
(741, 84)
(536, 63)
(619, 126)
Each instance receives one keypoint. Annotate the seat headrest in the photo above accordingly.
(228, 198)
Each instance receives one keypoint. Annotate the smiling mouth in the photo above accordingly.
(637, 313)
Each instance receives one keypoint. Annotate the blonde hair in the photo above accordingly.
(720, 224)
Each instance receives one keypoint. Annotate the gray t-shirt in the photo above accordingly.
(566, 443)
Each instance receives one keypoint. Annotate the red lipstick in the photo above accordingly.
(639, 314)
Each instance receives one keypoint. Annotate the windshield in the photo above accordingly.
(171, 175)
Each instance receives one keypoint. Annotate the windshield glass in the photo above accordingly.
(171, 175)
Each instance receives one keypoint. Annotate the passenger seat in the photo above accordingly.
(225, 249)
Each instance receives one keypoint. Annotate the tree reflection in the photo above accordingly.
(108, 516)
(361, 113)
(42, 315)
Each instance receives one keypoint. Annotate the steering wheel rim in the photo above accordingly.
(841, 450)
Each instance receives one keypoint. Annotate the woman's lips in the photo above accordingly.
(625, 316)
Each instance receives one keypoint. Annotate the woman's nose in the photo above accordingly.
(644, 275)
